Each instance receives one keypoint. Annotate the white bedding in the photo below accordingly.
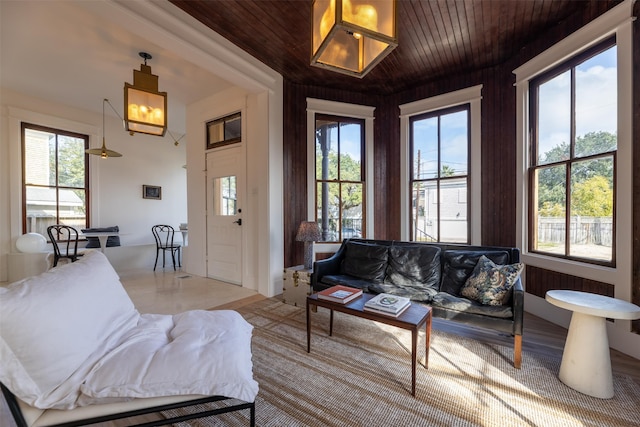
(72, 337)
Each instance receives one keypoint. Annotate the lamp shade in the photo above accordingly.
(145, 108)
(352, 36)
(31, 243)
(308, 232)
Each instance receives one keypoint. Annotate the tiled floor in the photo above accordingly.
(169, 292)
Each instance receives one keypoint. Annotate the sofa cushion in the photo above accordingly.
(491, 284)
(456, 303)
(346, 280)
(94, 242)
(414, 266)
(54, 323)
(415, 292)
(365, 261)
(459, 264)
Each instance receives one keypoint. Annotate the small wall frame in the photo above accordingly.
(152, 192)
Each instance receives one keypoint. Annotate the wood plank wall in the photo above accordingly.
(498, 154)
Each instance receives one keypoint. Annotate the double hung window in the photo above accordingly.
(573, 157)
(55, 178)
(339, 177)
(439, 175)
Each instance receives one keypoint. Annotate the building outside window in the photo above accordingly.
(55, 178)
(439, 175)
(573, 157)
(339, 177)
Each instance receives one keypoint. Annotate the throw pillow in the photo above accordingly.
(490, 284)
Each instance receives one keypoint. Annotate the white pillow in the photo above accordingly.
(54, 322)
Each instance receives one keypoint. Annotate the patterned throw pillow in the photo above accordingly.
(490, 284)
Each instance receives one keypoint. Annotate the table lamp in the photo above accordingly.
(308, 232)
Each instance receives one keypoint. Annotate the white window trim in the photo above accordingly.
(345, 110)
(617, 21)
(473, 96)
(18, 115)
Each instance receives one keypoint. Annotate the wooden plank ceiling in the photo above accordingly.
(436, 37)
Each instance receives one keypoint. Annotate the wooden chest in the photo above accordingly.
(296, 285)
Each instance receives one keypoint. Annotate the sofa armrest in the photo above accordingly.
(326, 267)
(518, 307)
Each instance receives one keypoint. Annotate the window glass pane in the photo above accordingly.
(453, 210)
(425, 211)
(224, 195)
(425, 148)
(454, 144)
(326, 150)
(591, 225)
(39, 158)
(40, 209)
(596, 104)
(554, 119)
(550, 209)
(71, 159)
(233, 128)
(328, 215)
(351, 210)
(350, 152)
(72, 205)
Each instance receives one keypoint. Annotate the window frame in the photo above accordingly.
(473, 97)
(341, 109)
(439, 179)
(534, 165)
(619, 22)
(24, 126)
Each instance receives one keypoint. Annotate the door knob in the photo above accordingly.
(239, 221)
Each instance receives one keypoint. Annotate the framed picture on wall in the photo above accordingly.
(152, 192)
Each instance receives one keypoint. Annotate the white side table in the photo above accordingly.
(586, 363)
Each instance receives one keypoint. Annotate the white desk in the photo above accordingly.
(102, 237)
(586, 363)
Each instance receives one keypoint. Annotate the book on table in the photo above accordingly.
(340, 293)
(392, 305)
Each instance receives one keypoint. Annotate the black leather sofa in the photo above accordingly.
(428, 273)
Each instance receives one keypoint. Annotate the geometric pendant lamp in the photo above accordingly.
(352, 36)
(145, 108)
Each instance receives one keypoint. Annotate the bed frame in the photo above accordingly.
(12, 402)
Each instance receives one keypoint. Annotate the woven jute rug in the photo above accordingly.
(361, 376)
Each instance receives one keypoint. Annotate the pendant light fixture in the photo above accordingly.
(145, 109)
(104, 152)
(352, 36)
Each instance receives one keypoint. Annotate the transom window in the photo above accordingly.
(55, 178)
(439, 175)
(573, 157)
(339, 154)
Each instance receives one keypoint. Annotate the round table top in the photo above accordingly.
(593, 304)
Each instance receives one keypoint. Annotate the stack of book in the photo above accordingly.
(340, 293)
(391, 305)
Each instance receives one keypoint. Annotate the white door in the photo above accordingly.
(225, 185)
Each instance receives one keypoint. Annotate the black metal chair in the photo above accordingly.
(164, 242)
(65, 242)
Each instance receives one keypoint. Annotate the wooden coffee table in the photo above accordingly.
(412, 319)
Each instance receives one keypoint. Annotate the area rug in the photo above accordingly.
(361, 376)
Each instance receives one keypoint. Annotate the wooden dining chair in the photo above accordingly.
(64, 239)
(164, 242)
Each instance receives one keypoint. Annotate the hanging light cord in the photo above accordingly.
(176, 142)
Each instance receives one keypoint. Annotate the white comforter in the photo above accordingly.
(195, 352)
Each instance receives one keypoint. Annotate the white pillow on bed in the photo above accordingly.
(52, 325)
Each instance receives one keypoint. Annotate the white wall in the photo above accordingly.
(262, 211)
(116, 183)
